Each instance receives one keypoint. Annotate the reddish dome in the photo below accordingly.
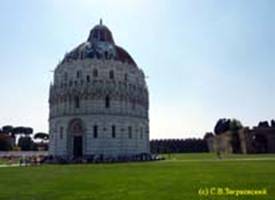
(100, 45)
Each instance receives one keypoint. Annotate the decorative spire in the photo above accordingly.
(100, 21)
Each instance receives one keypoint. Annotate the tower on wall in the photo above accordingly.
(98, 101)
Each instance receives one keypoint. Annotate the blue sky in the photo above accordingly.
(205, 59)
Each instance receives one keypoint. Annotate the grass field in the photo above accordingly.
(180, 177)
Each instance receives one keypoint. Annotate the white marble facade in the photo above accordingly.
(98, 101)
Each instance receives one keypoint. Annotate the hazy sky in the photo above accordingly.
(205, 59)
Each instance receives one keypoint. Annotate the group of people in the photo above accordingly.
(22, 160)
(33, 160)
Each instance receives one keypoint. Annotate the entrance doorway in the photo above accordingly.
(77, 146)
(76, 131)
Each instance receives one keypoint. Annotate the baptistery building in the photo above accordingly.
(98, 101)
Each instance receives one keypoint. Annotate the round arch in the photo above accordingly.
(76, 140)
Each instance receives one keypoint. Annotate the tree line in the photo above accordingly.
(12, 138)
(178, 145)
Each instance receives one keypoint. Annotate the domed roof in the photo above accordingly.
(100, 44)
(101, 33)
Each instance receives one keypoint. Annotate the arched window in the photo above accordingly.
(95, 73)
(106, 54)
(107, 102)
(141, 132)
(88, 78)
(76, 102)
(126, 77)
(95, 131)
(78, 74)
(133, 105)
(66, 76)
(61, 133)
(111, 74)
(113, 131)
(130, 132)
(98, 55)
(90, 54)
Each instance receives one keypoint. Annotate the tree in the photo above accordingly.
(21, 130)
(27, 130)
(17, 131)
(25, 143)
(5, 144)
(222, 126)
(11, 132)
(232, 125)
(263, 124)
(7, 129)
(235, 125)
(178, 145)
(42, 136)
(208, 135)
(273, 123)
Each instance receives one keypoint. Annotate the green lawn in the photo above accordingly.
(177, 178)
(213, 156)
(6, 161)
